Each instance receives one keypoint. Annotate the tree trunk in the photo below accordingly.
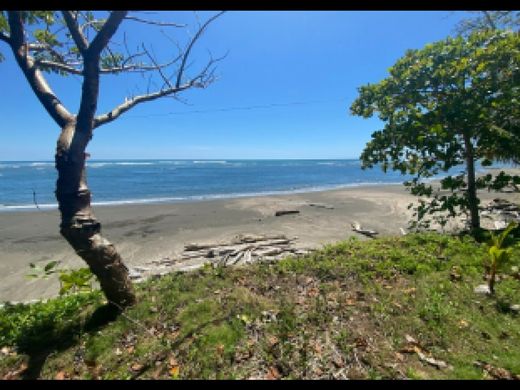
(79, 225)
(472, 187)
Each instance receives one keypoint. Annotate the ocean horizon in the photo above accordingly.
(23, 184)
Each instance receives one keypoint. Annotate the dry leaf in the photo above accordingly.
(172, 362)
(136, 367)
(273, 373)
(60, 375)
(118, 352)
(351, 302)
(463, 324)
(130, 349)
(434, 362)
(175, 371)
(272, 340)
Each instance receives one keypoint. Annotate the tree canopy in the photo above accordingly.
(454, 102)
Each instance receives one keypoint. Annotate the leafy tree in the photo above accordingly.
(81, 43)
(452, 103)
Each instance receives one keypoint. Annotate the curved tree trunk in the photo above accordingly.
(79, 225)
(472, 187)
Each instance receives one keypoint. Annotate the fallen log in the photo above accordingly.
(367, 232)
(284, 212)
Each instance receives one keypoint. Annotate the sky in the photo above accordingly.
(283, 90)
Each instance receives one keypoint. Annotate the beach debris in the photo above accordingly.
(367, 232)
(321, 206)
(403, 232)
(284, 212)
(240, 250)
(501, 212)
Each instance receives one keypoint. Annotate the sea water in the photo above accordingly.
(23, 184)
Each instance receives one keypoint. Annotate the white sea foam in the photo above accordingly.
(209, 162)
(42, 164)
(194, 198)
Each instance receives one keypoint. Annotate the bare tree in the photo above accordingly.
(63, 46)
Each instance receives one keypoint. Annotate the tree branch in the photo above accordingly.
(38, 84)
(77, 36)
(58, 66)
(122, 108)
(107, 31)
(190, 46)
(136, 19)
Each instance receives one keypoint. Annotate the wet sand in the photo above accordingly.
(144, 233)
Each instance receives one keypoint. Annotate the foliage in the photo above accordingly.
(449, 104)
(72, 281)
(344, 311)
(38, 325)
(500, 249)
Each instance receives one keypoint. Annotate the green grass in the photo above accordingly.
(342, 312)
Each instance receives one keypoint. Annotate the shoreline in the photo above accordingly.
(145, 233)
(195, 198)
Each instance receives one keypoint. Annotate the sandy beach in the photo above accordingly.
(144, 233)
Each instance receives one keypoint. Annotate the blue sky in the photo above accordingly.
(316, 60)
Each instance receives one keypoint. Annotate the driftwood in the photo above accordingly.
(358, 229)
(321, 206)
(284, 212)
(242, 249)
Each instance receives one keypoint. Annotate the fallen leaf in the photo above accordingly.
(434, 362)
(272, 340)
(136, 367)
(273, 373)
(351, 302)
(130, 349)
(174, 372)
(60, 376)
(338, 361)
(399, 356)
(463, 324)
(118, 352)
(172, 362)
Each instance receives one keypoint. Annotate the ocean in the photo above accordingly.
(114, 182)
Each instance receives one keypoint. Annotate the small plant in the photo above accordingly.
(500, 249)
(72, 281)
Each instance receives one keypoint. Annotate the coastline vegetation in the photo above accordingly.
(393, 307)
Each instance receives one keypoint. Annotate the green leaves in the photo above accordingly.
(71, 281)
(75, 281)
(438, 100)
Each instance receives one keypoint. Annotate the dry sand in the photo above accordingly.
(143, 233)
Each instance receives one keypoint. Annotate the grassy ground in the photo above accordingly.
(399, 307)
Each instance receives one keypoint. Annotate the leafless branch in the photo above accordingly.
(166, 81)
(78, 37)
(136, 19)
(190, 46)
(58, 66)
(122, 108)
